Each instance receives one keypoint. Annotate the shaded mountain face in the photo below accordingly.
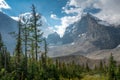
(7, 25)
(104, 37)
(90, 28)
(75, 30)
(53, 39)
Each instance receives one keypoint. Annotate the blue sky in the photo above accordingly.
(45, 7)
(62, 13)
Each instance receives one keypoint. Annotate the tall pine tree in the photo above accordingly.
(111, 68)
(36, 23)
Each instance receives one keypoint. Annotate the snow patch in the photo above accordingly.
(118, 46)
(4, 5)
(104, 23)
(74, 27)
(68, 30)
(15, 18)
(82, 35)
(72, 43)
(79, 35)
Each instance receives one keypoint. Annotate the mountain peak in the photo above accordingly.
(86, 14)
(53, 38)
(89, 16)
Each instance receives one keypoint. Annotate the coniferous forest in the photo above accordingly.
(30, 61)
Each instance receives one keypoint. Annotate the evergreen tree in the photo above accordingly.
(111, 68)
(118, 73)
(87, 67)
(101, 68)
(1, 42)
(45, 54)
(5, 59)
(18, 52)
(25, 38)
(1, 52)
(35, 26)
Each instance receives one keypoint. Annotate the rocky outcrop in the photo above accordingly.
(53, 38)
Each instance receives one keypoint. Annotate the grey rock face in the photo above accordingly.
(53, 38)
(100, 35)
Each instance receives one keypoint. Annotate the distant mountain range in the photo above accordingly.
(86, 36)
(99, 33)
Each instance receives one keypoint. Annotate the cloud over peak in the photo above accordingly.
(109, 11)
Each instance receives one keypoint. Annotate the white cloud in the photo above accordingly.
(66, 21)
(53, 16)
(110, 12)
(110, 9)
(4, 5)
(46, 28)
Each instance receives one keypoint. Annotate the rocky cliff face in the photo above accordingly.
(104, 37)
(75, 30)
(99, 33)
(53, 39)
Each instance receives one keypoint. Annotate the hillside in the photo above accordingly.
(79, 60)
(7, 25)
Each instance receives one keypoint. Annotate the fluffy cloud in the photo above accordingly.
(46, 28)
(53, 16)
(4, 5)
(110, 12)
(66, 21)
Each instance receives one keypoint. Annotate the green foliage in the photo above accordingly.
(35, 24)
(111, 68)
(95, 77)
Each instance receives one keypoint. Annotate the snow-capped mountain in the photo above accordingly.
(4, 5)
(87, 35)
(100, 33)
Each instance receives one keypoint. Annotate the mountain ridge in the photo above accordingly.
(7, 25)
(87, 36)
